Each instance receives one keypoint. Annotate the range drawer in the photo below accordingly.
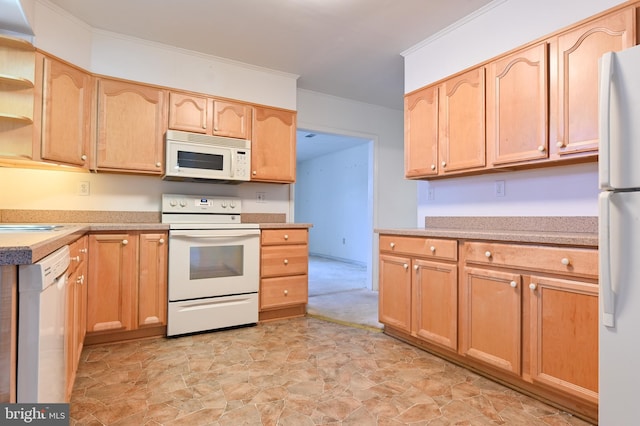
(570, 260)
(284, 236)
(283, 291)
(284, 260)
(436, 248)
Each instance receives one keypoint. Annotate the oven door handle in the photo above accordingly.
(227, 236)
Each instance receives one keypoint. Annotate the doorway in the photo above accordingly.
(333, 191)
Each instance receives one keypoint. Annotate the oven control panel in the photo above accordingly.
(174, 203)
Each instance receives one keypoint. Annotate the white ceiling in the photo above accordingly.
(346, 48)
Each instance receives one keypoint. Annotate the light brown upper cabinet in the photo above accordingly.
(444, 126)
(201, 114)
(67, 94)
(273, 145)
(576, 96)
(462, 122)
(421, 133)
(517, 106)
(131, 123)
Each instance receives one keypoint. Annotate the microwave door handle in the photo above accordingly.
(233, 165)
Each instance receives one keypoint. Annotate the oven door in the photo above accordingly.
(210, 263)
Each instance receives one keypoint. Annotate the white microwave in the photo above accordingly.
(195, 157)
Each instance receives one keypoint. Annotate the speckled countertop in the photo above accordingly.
(581, 231)
(20, 248)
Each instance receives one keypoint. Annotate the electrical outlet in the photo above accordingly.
(261, 197)
(499, 187)
(84, 188)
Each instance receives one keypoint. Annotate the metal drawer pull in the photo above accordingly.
(286, 292)
(565, 261)
(487, 253)
(125, 242)
(286, 261)
(392, 245)
(532, 286)
(513, 284)
(161, 240)
(416, 267)
(286, 237)
(433, 249)
(405, 266)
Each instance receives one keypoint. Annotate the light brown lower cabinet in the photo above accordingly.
(527, 315)
(76, 312)
(127, 286)
(284, 279)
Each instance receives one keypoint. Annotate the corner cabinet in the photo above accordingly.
(284, 279)
(131, 123)
(201, 114)
(418, 291)
(127, 285)
(273, 145)
(65, 116)
(17, 77)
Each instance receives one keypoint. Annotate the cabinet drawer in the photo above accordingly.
(284, 236)
(284, 260)
(283, 291)
(573, 261)
(418, 246)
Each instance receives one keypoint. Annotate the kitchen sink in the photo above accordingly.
(10, 227)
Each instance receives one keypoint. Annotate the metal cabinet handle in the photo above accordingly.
(254, 173)
(158, 164)
(405, 266)
(392, 245)
(532, 286)
(286, 236)
(125, 242)
(286, 292)
(416, 267)
(560, 144)
(565, 261)
(513, 284)
(487, 253)
(76, 258)
(444, 164)
(433, 167)
(286, 261)
(83, 250)
(80, 280)
(161, 240)
(83, 157)
(433, 249)
(541, 148)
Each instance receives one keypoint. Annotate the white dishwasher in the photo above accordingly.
(42, 289)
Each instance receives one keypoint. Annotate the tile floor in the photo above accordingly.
(303, 371)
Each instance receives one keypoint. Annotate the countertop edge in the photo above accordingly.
(569, 239)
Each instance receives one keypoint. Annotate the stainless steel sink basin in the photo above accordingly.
(10, 227)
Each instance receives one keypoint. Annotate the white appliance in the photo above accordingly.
(42, 289)
(619, 240)
(214, 264)
(195, 157)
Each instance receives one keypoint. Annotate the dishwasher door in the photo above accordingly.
(42, 289)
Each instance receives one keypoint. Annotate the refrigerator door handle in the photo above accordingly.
(606, 72)
(606, 283)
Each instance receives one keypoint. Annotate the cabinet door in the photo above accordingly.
(435, 302)
(189, 113)
(394, 295)
(131, 126)
(112, 267)
(490, 318)
(462, 122)
(273, 146)
(578, 52)
(231, 119)
(517, 111)
(421, 133)
(66, 113)
(152, 280)
(564, 336)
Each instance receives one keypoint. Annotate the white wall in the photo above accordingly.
(117, 55)
(56, 190)
(501, 26)
(332, 192)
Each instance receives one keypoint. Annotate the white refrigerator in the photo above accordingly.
(619, 239)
